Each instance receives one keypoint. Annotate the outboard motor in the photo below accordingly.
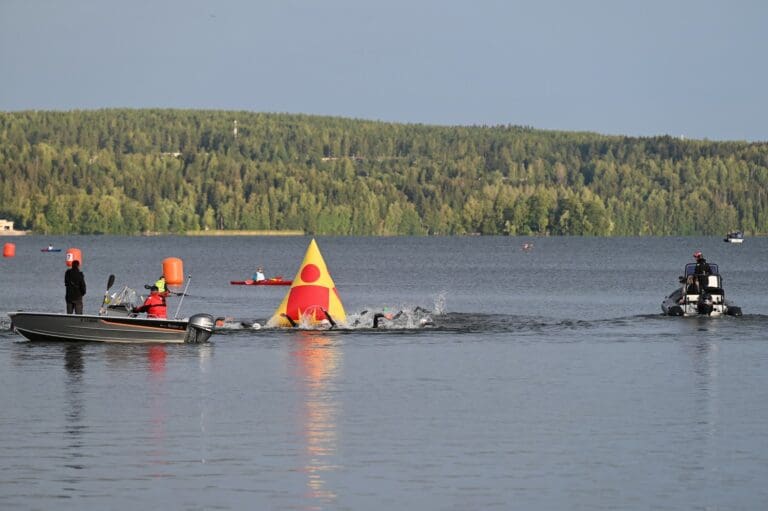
(675, 310)
(200, 328)
(705, 305)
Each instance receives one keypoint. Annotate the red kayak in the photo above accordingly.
(274, 281)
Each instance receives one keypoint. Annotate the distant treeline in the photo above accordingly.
(134, 171)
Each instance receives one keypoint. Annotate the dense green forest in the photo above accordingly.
(135, 171)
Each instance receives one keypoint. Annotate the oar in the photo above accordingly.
(110, 281)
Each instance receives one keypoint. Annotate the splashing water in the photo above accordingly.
(439, 307)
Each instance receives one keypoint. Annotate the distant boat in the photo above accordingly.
(734, 237)
(50, 249)
(274, 281)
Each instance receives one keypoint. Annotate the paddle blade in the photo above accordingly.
(110, 281)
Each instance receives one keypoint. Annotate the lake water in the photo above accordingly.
(548, 380)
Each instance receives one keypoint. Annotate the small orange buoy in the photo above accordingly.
(74, 254)
(9, 250)
(173, 270)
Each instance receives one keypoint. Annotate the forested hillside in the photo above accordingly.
(134, 171)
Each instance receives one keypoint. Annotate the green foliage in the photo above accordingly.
(133, 171)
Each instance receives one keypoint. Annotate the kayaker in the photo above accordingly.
(258, 275)
(154, 305)
(74, 282)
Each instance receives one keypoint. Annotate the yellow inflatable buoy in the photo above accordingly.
(312, 300)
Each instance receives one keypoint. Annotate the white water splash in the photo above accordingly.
(439, 307)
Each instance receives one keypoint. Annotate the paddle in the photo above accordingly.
(110, 281)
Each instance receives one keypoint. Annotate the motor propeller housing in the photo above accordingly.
(200, 328)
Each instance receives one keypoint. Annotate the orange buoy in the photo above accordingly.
(9, 250)
(173, 270)
(74, 254)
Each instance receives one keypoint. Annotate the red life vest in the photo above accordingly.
(155, 306)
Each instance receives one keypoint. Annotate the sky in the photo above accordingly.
(688, 68)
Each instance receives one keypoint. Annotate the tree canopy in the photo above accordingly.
(173, 171)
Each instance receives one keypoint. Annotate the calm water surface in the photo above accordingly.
(548, 380)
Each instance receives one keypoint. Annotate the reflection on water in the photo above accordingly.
(205, 352)
(704, 355)
(73, 363)
(317, 362)
(158, 454)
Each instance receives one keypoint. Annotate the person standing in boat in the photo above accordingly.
(154, 305)
(74, 282)
(702, 269)
(702, 266)
(258, 275)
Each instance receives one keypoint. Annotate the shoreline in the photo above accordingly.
(221, 232)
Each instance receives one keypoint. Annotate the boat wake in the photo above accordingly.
(418, 319)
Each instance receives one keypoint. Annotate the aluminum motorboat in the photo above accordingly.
(699, 295)
(734, 237)
(53, 326)
(115, 322)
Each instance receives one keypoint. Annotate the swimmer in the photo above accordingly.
(325, 323)
(389, 316)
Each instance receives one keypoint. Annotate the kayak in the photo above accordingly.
(275, 281)
(50, 250)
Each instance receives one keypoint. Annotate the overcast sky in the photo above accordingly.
(693, 68)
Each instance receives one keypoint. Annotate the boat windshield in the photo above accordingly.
(125, 296)
(690, 269)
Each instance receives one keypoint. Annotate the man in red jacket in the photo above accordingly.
(154, 305)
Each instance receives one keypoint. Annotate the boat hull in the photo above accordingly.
(42, 326)
(691, 309)
(672, 306)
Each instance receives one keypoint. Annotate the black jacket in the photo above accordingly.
(74, 281)
(702, 267)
